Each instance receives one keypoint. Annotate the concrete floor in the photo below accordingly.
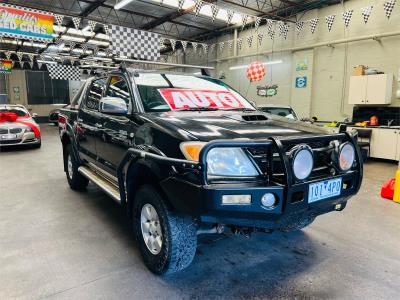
(57, 243)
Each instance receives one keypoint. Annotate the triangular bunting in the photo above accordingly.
(239, 43)
(92, 25)
(347, 17)
(214, 11)
(313, 24)
(20, 55)
(59, 19)
(221, 46)
(388, 7)
(244, 19)
(194, 45)
(270, 28)
(329, 21)
(180, 4)
(366, 13)
(260, 37)
(212, 48)
(230, 45)
(299, 26)
(184, 45)
(257, 23)
(250, 41)
(76, 21)
(205, 47)
(229, 15)
(197, 7)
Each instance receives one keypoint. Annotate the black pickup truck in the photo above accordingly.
(186, 154)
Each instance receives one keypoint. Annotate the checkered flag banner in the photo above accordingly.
(366, 13)
(329, 21)
(64, 72)
(257, 23)
(195, 45)
(214, 11)
(92, 25)
(239, 43)
(229, 15)
(347, 17)
(388, 7)
(59, 19)
(250, 41)
(76, 21)
(197, 7)
(260, 37)
(184, 45)
(221, 46)
(230, 45)
(244, 19)
(180, 4)
(205, 47)
(313, 24)
(299, 26)
(129, 42)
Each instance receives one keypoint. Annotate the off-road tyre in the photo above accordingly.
(75, 179)
(179, 238)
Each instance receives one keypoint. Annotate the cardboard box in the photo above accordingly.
(359, 70)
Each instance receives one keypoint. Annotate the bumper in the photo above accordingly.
(292, 205)
(27, 138)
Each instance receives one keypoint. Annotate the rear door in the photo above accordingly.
(89, 120)
(117, 131)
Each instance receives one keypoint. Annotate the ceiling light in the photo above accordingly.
(47, 62)
(121, 4)
(274, 62)
(72, 38)
(97, 42)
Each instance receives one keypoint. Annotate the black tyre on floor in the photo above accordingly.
(174, 237)
(75, 179)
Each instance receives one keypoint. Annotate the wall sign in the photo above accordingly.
(25, 23)
(302, 65)
(5, 66)
(267, 91)
(301, 82)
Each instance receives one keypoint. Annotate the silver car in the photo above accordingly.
(17, 127)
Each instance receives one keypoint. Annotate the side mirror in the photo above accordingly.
(34, 115)
(113, 106)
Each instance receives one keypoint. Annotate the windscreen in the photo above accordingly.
(19, 111)
(165, 92)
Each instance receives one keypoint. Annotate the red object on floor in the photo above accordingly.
(387, 190)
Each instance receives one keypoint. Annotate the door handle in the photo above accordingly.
(98, 125)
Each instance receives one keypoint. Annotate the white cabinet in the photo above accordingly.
(371, 89)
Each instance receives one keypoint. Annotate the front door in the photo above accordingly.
(117, 132)
(89, 120)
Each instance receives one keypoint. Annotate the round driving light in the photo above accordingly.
(268, 201)
(303, 162)
(347, 156)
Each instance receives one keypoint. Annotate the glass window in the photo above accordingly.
(19, 111)
(118, 87)
(160, 92)
(41, 89)
(280, 111)
(95, 93)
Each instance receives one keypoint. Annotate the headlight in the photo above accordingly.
(28, 129)
(347, 156)
(230, 162)
(302, 161)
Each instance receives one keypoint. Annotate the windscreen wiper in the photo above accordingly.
(245, 109)
(199, 109)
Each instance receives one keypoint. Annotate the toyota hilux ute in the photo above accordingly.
(186, 154)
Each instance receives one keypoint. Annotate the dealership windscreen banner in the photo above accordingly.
(5, 66)
(186, 98)
(24, 23)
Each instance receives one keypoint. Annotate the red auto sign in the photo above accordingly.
(184, 98)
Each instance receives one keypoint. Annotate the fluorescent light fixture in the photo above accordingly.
(72, 38)
(47, 62)
(274, 62)
(121, 4)
(102, 36)
(86, 28)
(97, 42)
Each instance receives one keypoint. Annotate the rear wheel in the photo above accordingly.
(75, 179)
(167, 241)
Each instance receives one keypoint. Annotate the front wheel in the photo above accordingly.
(75, 179)
(167, 241)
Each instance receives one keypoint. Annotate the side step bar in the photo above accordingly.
(102, 183)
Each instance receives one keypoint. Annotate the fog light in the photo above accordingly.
(269, 201)
(236, 199)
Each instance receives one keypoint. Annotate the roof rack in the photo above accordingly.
(163, 64)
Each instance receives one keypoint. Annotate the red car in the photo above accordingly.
(17, 127)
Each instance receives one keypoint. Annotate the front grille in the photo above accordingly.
(10, 142)
(3, 131)
(15, 130)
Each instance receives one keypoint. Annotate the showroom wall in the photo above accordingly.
(329, 68)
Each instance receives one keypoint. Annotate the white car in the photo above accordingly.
(279, 110)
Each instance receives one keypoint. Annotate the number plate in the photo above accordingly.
(8, 136)
(324, 189)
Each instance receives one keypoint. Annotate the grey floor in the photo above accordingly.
(57, 243)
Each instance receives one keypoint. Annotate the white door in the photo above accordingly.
(358, 89)
(386, 146)
(379, 89)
